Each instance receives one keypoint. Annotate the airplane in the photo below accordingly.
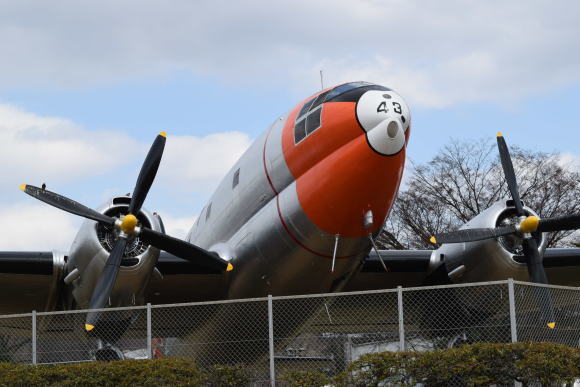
(298, 213)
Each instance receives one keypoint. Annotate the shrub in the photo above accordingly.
(166, 372)
(547, 363)
(476, 364)
(221, 375)
(304, 379)
(376, 368)
(472, 365)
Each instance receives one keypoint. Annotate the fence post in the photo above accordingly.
(512, 301)
(34, 337)
(149, 353)
(271, 341)
(401, 318)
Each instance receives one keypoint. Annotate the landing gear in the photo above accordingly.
(107, 352)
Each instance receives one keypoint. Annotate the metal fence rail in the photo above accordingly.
(274, 335)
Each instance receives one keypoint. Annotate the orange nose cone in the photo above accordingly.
(339, 177)
(338, 191)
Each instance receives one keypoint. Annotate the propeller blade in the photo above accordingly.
(510, 176)
(538, 275)
(106, 282)
(184, 250)
(147, 173)
(472, 235)
(558, 223)
(66, 204)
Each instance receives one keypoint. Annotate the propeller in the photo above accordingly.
(128, 227)
(525, 227)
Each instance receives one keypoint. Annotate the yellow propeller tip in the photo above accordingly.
(433, 240)
(89, 327)
(551, 325)
(230, 267)
(164, 134)
(22, 187)
(499, 134)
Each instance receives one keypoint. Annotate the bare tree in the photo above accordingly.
(464, 179)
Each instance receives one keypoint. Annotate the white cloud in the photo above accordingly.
(436, 53)
(198, 163)
(39, 227)
(36, 149)
(36, 227)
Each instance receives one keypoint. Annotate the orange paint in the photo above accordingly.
(338, 176)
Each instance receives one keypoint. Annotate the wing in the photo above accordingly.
(30, 281)
(176, 280)
(404, 268)
(413, 268)
(563, 266)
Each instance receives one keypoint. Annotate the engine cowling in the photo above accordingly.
(492, 259)
(91, 248)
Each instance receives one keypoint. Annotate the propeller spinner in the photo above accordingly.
(525, 227)
(128, 227)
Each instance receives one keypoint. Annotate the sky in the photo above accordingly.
(86, 86)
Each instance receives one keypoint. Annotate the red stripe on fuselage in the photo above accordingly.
(264, 162)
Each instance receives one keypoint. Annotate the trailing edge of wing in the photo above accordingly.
(409, 261)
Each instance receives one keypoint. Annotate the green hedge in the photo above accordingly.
(473, 365)
(163, 372)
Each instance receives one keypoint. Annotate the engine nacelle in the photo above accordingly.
(492, 259)
(91, 248)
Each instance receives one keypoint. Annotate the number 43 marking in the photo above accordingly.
(383, 107)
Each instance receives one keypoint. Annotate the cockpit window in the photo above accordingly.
(308, 119)
(351, 92)
(346, 87)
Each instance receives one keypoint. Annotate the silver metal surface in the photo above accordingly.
(271, 342)
(149, 335)
(400, 313)
(368, 219)
(513, 326)
(377, 251)
(73, 275)
(33, 338)
(336, 237)
(88, 257)
(484, 260)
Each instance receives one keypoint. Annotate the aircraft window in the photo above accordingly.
(309, 117)
(299, 131)
(351, 92)
(305, 108)
(307, 124)
(208, 212)
(319, 100)
(313, 120)
(236, 178)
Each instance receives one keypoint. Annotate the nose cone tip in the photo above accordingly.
(392, 129)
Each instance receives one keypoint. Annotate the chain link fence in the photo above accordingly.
(271, 336)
